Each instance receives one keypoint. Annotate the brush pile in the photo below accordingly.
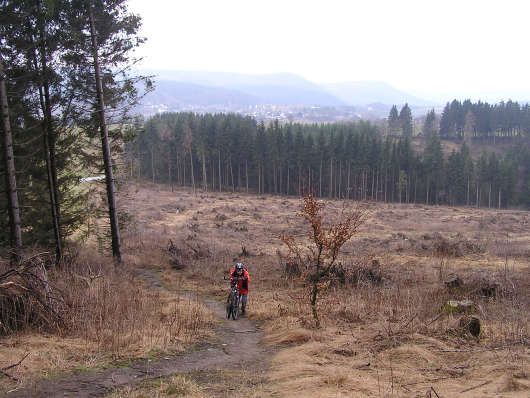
(27, 299)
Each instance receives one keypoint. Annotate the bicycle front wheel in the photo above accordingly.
(229, 307)
(235, 309)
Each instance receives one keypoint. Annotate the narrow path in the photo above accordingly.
(226, 353)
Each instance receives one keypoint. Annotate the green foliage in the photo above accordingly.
(350, 160)
(429, 127)
(393, 121)
(405, 120)
(48, 62)
(484, 121)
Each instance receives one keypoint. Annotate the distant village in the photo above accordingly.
(282, 113)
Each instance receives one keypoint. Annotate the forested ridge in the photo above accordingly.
(482, 120)
(65, 76)
(229, 152)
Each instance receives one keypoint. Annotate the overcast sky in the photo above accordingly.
(423, 46)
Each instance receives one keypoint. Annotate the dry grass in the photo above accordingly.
(376, 340)
(227, 383)
(174, 386)
(113, 317)
(395, 326)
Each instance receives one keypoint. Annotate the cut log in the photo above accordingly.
(471, 325)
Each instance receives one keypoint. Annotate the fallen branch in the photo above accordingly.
(3, 370)
(16, 364)
(8, 376)
(434, 391)
(427, 381)
(474, 387)
(435, 319)
(28, 299)
(408, 322)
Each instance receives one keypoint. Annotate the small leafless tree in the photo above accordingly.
(325, 241)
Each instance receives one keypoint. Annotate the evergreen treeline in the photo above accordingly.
(64, 77)
(482, 120)
(235, 153)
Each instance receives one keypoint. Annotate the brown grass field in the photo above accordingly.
(386, 339)
(384, 332)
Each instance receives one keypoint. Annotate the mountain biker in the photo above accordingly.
(240, 274)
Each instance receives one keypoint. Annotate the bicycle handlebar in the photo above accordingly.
(238, 278)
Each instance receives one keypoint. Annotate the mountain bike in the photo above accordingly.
(232, 303)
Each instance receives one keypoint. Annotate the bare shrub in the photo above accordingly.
(365, 271)
(443, 247)
(109, 307)
(320, 256)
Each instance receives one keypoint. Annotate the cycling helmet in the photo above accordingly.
(239, 267)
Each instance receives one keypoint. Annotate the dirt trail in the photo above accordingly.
(221, 355)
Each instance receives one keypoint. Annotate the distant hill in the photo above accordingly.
(178, 94)
(367, 92)
(278, 88)
(235, 92)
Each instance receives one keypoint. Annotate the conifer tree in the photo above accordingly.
(393, 121)
(429, 124)
(405, 120)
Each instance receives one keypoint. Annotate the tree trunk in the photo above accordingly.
(274, 177)
(49, 154)
(415, 187)
(288, 182)
(152, 164)
(281, 180)
(220, 178)
(204, 180)
(192, 174)
(320, 180)
(113, 211)
(299, 180)
(348, 184)
(340, 178)
(169, 168)
(53, 198)
(49, 140)
(12, 195)
(232, 175)
(246, 172)
(373, 183)
(467, 195)
(331, 178)
(238, 176)
(259, 178)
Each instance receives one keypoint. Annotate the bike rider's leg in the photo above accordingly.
(243, 303)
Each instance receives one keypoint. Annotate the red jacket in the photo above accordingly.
(243, 284)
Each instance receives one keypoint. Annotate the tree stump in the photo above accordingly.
(471, 325)
(453, 281)
(456, 306)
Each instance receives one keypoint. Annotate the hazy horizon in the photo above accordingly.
(431, 49)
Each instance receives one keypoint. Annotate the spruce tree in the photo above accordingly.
(393, 121)
(429, 124)
(405, 120)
